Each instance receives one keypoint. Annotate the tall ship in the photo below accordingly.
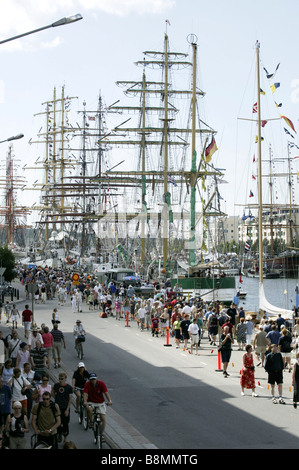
(149, 178)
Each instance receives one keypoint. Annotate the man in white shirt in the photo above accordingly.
(141, 316)
(193, 331)
(186, 309)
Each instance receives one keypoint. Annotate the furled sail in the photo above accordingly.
(271, 309)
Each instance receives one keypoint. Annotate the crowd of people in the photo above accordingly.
(24, 379)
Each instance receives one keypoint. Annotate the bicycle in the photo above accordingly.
(97, 425)
(79, 346)
(81, 406)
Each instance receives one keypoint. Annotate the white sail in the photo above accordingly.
(271, 309)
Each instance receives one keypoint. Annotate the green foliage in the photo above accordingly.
(7, 260)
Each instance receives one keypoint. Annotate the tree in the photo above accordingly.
(7, 260)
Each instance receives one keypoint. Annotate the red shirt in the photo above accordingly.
(27, 314)
(95, 394)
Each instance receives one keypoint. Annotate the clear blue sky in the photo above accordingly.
(89, 56)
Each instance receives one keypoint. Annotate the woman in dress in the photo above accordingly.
(247, 379)
(241, 334)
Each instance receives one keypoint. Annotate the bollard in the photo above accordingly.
(127, 319)
(167, 337)
(219, 362)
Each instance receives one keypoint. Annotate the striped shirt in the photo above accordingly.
(57, 335)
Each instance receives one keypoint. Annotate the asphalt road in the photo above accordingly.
(175, 399)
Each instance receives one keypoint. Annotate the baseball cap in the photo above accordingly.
(92, 376)
(81, 364)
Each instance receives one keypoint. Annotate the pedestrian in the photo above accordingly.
(2, 350)
(23, 355)
(117, 306)
(155, 325)
(16, 426)
(5, 402)
(62, 393)
(247, 379)
(19, 385)
(295, 381)
(13, 347)
(212, 327)
(273, 335)
(274, 367)
(34, 336)
(15, 314)
(7, 371)
(48, 344)
(74, 302)
(241, 331)
(27, 317)
(184, 330)
(176, 328)
(141, 316)
(44, 386)
(58, 340)
(250, 329)
(45, 420)
(78, 296)
(284, 346)
(38, 358)
(260, 345)
(55, 317)
(226, 341)
(33, 378)
(193, 331)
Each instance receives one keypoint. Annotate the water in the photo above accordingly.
(279, 292)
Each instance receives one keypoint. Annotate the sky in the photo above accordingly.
(89, 56)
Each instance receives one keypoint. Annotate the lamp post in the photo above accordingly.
(14, 137)
(63, 21)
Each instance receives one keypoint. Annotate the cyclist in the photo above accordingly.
(78, 331)
(80, 376)
(94, 394)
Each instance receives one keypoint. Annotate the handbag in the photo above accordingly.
(81, 338)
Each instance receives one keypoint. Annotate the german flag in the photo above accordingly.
(210, 150)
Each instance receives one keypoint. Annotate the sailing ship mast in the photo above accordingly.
(169, 137)
(263, 303)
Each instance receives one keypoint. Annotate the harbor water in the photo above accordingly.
(279, 292)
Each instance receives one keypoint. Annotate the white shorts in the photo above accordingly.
(27, 325)
(101, 407)
(194, 339)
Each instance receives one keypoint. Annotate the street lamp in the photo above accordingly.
(14, 137)
(63, 21)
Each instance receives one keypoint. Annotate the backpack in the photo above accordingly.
(214, 320)
(52, 406)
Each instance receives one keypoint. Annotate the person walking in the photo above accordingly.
(27, 317)
(260, 345)
(274, 367)
(250, 329)
(247, 379)
(284, 346)
(45, 420)
(16, 426)
(193, 331)
(226, 341)
(48, 344)
(15, 314)
(58, 340)
(241, 331)
(62, 392)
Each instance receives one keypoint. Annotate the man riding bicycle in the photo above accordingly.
(94, 394)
